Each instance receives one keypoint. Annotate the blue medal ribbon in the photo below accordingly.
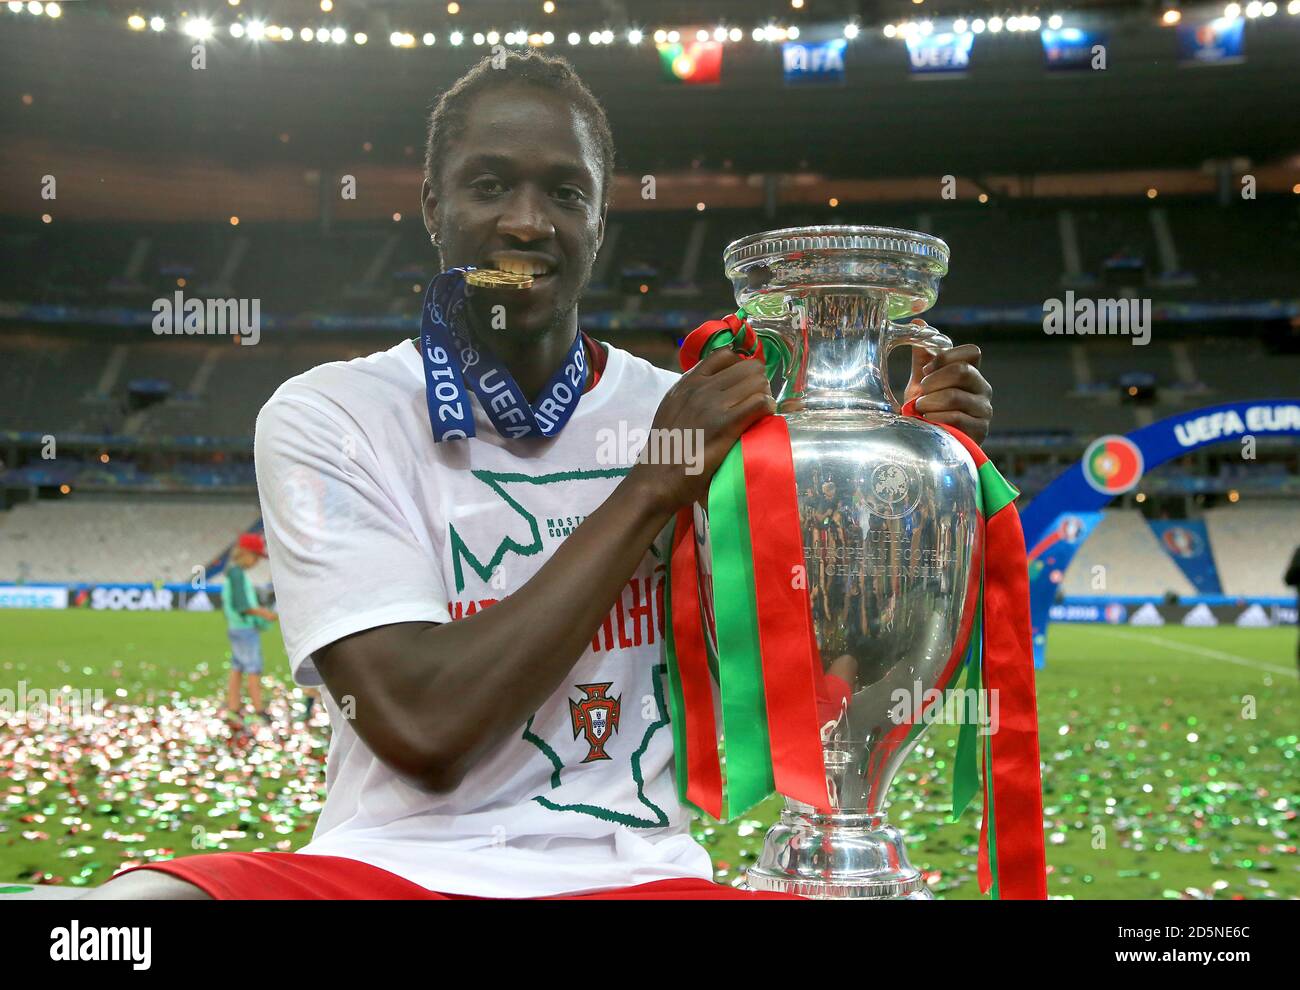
(450, 358)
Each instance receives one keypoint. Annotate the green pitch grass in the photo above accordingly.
(1170, 761)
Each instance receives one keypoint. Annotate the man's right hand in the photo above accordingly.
(715, 402)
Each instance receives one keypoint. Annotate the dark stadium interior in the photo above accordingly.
(1125, 183)
(1144, 111)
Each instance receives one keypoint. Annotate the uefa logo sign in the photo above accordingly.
(1181, 542)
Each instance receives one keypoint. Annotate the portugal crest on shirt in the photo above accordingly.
(595, 716)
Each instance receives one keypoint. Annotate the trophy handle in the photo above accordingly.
(915, 334)
(777, 327)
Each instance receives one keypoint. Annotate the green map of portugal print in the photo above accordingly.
(527, 542)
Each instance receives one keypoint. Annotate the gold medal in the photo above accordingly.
(494, 278)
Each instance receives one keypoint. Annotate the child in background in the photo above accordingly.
(245, 619)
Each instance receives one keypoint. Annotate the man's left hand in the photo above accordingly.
(949, 388)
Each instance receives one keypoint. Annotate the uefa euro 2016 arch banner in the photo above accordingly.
(1113, 465)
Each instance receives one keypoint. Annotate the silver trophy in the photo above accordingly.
(888, 510)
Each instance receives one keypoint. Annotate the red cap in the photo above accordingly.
(253, 542)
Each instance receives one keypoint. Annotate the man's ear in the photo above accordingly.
(600, 228)
(429, 208)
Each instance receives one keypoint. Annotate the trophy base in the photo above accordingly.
(836, 857)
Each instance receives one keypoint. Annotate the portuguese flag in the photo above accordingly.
(694, 62)
(1113, 464)
(772, 693)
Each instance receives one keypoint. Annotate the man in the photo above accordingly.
(245, 620)
(485, 612)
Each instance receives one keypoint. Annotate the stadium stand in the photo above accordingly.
(105, 539)
(1253, 545)
(1014, 253)
(49, 383)
(1133, 562)
(41, 372)
(52, 380)
(78, 382)
(147, 539)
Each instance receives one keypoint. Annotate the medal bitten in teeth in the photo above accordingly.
(508, 270)
(496, 278)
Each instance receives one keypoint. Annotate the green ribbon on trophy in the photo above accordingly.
(764, 635)
(772, 693)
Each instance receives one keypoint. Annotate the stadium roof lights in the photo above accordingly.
(198, 27)
(203, 28)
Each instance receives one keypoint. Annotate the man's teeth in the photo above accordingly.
(520, 267)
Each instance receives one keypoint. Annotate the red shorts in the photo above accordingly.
(270, 876)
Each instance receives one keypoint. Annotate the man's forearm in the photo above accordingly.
(492, 670)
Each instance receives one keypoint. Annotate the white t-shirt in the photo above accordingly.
(370, 522)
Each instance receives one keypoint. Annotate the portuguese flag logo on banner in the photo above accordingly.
(1112, 465)
(696, 62)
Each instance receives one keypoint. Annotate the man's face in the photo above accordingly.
(520, 191)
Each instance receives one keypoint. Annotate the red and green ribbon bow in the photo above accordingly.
(772, 693)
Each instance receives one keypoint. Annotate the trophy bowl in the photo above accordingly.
(889, 514)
